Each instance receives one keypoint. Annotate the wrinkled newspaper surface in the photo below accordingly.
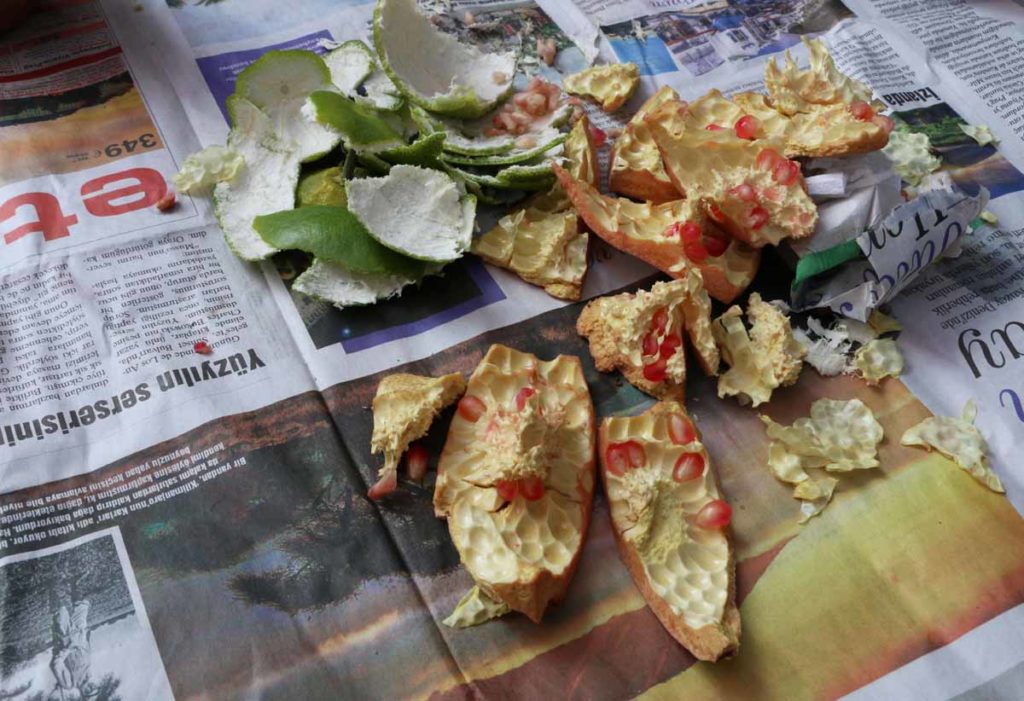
(182, 525)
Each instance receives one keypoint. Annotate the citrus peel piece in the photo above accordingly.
(344, 288)
(266, 184)
(434, 69)
(279, 83)
(657, 489)
(418, 212)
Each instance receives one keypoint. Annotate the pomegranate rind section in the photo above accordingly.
(404, 408)
(646, 230)
(635, 167)
(520, 551)
(714, 165)
(685, 573)
(610, 85)
(616, 327)
(544, 243)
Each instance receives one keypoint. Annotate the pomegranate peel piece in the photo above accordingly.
(621, 329)
(610, 85)
(635, 166)
(760, 360)
(714, 166)
(520, 545)
(663, 538)
(654, 232)
(403, 409)
(543, 243)
(960, 441)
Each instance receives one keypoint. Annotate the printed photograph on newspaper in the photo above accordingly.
(227, 545)
(74, 626)
(67, 99)
(700, 36)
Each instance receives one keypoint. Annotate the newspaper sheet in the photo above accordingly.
(184, 441)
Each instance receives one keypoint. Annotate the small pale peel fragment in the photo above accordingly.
(839, 436)
(474, 608)
(960, 441)
(911, 155)
(980, 133)
(878, 359)
(203, 169)
(814, 494)
(610, 85)
(883, 323)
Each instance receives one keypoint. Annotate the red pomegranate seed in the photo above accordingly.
(716, 245)
(715, 213)
(715, 514)
(758, 217)
(747, 127)
(669, 346)
(715, 127)
(680, 429)
(508, 490)
(532, 488)
(203, 348)
(635, 454)
(616, 459)
(416, 460)
(656, 371)
(862, 110)
(522, 395)
(471, 408)
(166, 203)
(884, 122)
(650, 344)
(599, 135)
(695, 251)
(660, 319)
(745, 192)
(384, 486)
(688, 467)
(690, 231)
(786, 173)
(768, 159)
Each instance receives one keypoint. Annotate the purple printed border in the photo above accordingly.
(490, 293)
